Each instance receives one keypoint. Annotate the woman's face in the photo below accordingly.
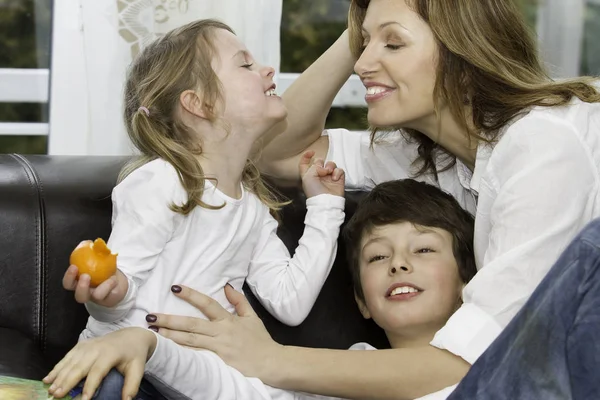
(398, 66)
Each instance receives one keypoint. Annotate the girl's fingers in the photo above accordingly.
(94, 378)
(330, 166)
(319, 162)
(82, 291)
(305, 162)
(70, 278)
(68, 376)
(338, 173)
(133, 378)
(103, 290)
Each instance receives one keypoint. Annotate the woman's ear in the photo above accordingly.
(362, 307)
(192, 103)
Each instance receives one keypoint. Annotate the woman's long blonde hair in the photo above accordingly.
(488, 58)
(179, 61)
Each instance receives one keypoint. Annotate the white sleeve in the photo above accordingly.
(288, 287)
(200, 375)
(142, 224)
(543, 182)
(345, 149)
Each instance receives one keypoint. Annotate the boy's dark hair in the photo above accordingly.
(416, 202)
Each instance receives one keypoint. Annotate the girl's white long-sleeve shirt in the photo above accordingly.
(208, 248)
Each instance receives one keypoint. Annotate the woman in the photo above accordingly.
(483, 121)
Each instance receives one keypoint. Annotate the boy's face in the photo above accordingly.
(409, 278)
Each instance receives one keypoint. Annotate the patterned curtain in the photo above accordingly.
(114, 31)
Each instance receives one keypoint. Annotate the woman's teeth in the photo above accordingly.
(271, 92)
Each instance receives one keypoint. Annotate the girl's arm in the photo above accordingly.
(288, 286)
(308, 101)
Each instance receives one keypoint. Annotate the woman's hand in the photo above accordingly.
(242, 340)
(127, 350)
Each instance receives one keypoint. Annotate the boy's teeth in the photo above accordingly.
(403, 289)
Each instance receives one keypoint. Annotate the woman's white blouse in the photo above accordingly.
(531, 193)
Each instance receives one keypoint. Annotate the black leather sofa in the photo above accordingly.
(48, 204)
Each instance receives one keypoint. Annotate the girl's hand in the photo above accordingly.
(241, 340)
(319, 178)
(108, 294)
(127, 350)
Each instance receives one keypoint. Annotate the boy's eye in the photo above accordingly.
(425, 250)
(376, 258)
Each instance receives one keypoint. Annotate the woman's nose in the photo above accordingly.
(366, 63)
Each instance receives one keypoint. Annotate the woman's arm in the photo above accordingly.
(308, 101)
(243, 342)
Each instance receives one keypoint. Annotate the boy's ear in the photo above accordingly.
(362, 307)
(192, 103)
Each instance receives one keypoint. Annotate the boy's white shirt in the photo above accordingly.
(207, 249)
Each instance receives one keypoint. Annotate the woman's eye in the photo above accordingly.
(393, 46)
(376, 258)
(425, 250)
(247, 66)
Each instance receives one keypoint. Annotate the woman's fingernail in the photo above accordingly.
(151, 318)
(84, 397)
(52, 387)
(153, 328)
(176, 289)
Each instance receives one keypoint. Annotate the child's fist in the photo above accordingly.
(319, 178)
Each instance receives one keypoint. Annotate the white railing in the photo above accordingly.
(24, 86)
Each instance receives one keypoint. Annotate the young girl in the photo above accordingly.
(194, 209)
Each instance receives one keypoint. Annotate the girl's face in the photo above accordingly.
(398, 66)
(251, 106)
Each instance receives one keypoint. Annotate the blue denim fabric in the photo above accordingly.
(551, 349)
(112, 388)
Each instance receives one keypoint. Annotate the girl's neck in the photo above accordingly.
(226, 164)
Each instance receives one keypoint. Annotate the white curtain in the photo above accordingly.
(94, 42)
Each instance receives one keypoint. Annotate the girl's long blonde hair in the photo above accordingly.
(488, 59)
(179, 61)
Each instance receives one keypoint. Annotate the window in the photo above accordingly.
(308, 28)
(24, 63)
